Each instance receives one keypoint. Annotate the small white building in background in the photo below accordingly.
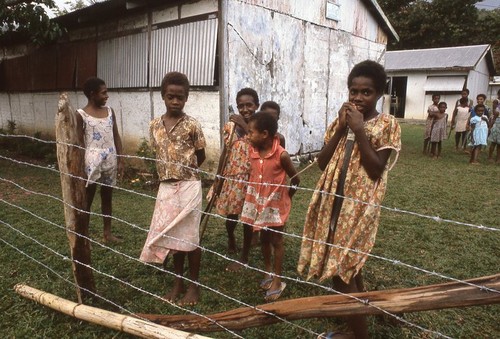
(295, 52)
(416, 74)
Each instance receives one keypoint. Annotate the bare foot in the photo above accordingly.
(111, 239)
(474, 162)
(175, 292)
(191, 297)
(235, 266)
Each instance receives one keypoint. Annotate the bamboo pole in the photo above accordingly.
(115, 321)
(425, 298)
(71, 162)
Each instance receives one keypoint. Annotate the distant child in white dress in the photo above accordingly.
(479, 126)
(98, 131)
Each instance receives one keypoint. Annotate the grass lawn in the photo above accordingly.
(448, 187)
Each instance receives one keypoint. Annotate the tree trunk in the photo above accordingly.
(432, 297)
(71, 161)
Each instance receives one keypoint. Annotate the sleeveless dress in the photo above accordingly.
(461, 119)
(267, 203)
(480, 133)
(100, 151)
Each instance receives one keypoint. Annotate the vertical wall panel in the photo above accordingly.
(188, 48)
(122, 62)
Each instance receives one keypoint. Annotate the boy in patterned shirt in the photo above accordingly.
(179, 144)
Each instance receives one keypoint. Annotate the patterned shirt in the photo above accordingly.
(175, 150)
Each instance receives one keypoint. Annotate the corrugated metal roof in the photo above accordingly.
(459, 58)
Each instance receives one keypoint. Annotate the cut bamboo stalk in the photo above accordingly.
(115, 321)
(425, 298)
(71, 162)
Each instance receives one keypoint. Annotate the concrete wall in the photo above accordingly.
(35, 112)
(292, 55)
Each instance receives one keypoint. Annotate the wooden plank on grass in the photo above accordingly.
(425, 298)
(115, 321)
(71, 162)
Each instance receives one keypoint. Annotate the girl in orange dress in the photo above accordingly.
(268, 199)
(339, 249)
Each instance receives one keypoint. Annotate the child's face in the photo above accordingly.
(101, 96)
(246, 106)
(435, 99)
(255, 136)
(480, 111)
(480, 100)
(175, 98)
(442, 108)
(363, 94)
(273, 112)
(464, 94)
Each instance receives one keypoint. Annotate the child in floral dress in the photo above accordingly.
(268, 199)
(336, 245)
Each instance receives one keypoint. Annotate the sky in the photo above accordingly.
(488, 4)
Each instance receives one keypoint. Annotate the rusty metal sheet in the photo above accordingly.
(43, 68)
(66, 66)
(16, 73)
(86, 62)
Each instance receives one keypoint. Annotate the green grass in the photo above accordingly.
(449, 188)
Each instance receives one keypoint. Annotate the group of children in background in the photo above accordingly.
(255, 189)
(474, 126)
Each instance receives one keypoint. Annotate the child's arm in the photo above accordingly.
(290, 170)
(118, 143)
(373, 161)
(240, 121)
(453, 117)
(200, 156)
(79, 130)
(326, 153)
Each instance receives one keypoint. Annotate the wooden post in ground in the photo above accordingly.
(71, 161)
(119, 322)
(425, 298)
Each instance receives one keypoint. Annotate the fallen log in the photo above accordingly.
(119, 322)
(71, 162)
(425, 298)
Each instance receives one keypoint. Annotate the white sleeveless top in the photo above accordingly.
(100, 151)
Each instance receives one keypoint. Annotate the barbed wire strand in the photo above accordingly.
(437, 219)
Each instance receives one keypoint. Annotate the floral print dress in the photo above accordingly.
(236, 172)
(100, 152)
(325, 254)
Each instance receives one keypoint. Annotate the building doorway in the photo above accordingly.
(397, 90)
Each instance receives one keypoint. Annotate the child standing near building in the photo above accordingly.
(494, 137)
(268, 199)
(433, 108)
(274, 109)
(236, 172)
(350, 223)
(179, 144)
(459, 121)
(97, 129)
(479, 126)
(438, 132)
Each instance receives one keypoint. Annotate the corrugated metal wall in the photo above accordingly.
(188, 48)
(123, 61)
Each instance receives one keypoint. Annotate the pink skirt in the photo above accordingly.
(176, 220)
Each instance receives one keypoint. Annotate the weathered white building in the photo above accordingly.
(416, 74)
(295, 52)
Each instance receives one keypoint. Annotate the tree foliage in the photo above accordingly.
(443, 23)
(28, 19)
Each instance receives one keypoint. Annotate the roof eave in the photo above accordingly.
(380, 16)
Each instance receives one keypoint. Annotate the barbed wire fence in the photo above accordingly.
(213, 286)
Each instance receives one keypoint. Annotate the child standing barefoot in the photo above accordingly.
(179, 144)
(459, 121)
(433, 108)
(268, 201)
(494, 137)
(232, 194)
(438, 133)
(350, 223)
(479, 125)
(98, 130)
